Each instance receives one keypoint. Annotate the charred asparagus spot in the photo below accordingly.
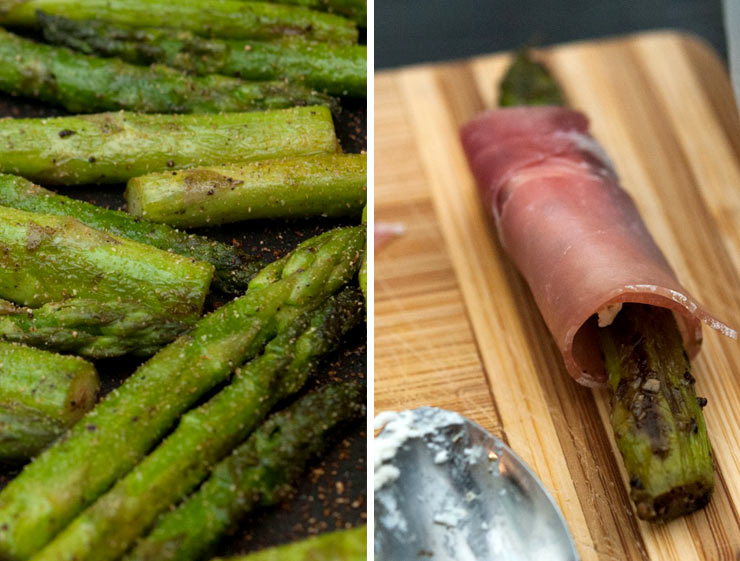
(657, 418)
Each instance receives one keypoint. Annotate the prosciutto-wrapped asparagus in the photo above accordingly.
(573, 232)
(609, 297)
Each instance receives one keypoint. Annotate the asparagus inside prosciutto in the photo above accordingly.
(609, 297)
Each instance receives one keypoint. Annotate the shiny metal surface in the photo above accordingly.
(446, 489)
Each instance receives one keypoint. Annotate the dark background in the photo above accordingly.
(412, 31)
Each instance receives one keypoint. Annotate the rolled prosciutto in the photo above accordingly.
(572, 231)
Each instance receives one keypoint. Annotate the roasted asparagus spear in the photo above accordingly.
(354, 9)
(112, 438)
(326, 185)
(114, 147)
(87, 84)
(205, 435)
(106, 286)
(224, 18)
(233, 267)
(41, 395)
(656, 417)
(91, 327)
(362, 275)
(347, 545)
(336, 69)
(258, 473)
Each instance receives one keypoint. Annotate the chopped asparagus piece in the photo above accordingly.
(225, 18)
(234, 268)
(52, 259)
(326, 184)
(90, 148)
(41, 395)
(336, 69)
(87, 84)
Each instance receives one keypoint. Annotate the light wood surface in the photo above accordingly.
(456, 326)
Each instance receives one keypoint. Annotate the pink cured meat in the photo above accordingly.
(572, 231)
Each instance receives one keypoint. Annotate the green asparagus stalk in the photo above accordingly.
(326, 185)
(362, 275)
(336, 69)
(225, 18)
(257, 473)
(92, 328)
(347, 545)
(41, 395)
(114, 147)
(234, 268)
(354, 9)
(112, 438)
(87, 84)
(50, 258)
(108, 527)
(656, 417)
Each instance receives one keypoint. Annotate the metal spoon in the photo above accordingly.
(448, 490)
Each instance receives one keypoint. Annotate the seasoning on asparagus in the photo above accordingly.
(205, 435)
(347, 545)
(92, 328)
(113, 147)
(336, 69)
(657, 420)
(234, 267)
(354, 9)
(362, 275)
(257, 473)
(230, 19)
(112, 438)
(86, 84)
(49, 258)
(326, 185)
(41, 395)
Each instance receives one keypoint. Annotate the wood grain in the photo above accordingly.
(456, 326)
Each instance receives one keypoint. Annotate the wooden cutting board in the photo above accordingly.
(456, 326)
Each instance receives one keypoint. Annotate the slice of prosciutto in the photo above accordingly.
(573, 232)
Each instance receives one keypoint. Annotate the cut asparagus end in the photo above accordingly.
(657, 419)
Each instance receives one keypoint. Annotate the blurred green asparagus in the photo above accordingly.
(86, 84)
(335, 69)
